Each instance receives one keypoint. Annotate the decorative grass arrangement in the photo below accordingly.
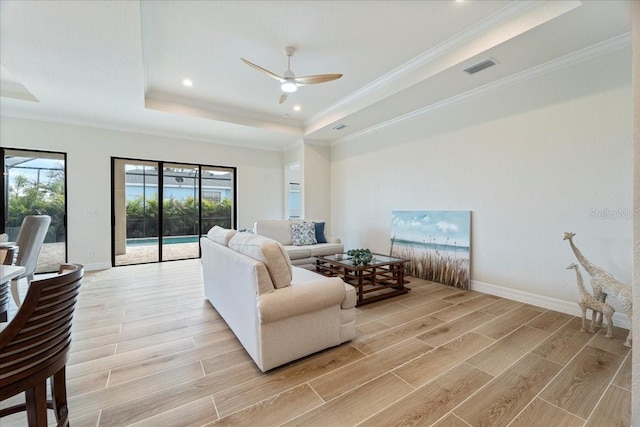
(442, 267)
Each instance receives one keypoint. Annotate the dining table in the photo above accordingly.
(7, 273)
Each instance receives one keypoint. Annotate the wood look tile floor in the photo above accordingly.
(149, 350)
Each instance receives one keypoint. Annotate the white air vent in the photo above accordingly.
(339, 127)
(480, 66)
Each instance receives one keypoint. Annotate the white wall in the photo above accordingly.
(291, 155)
(317, 170)
(531, 161)
(89, 151)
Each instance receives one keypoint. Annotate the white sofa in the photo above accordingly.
(278, 312)
(280, 230)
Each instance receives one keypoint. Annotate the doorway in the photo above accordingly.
(161, 209)
(35, 184)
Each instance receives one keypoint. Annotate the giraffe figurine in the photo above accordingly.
(604, 284)
(588, 301)
(592, 269)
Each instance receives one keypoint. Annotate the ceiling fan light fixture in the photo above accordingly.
(288, 81)
(289, 86)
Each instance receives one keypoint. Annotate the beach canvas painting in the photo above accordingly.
(438, 244)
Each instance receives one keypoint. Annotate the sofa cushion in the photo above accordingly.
(302, 298)
(323, 249)
(277, 229)
(268, 251)
(320, 237)
(298, 252)
(303, 233)
(221, 235)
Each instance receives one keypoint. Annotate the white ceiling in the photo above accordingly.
(120, 64)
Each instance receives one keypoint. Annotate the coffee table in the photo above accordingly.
(382, 278)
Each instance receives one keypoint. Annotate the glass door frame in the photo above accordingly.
(4, 193)
(161, 165)
(164, 222)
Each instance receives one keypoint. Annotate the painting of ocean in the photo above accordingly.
(438, 244)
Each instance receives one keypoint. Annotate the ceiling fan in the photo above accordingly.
(289, 83)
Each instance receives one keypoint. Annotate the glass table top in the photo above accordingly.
(344, 259)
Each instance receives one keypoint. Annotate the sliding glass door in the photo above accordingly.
(180, 211)
(217, 200)
(35, 184)
(160, 209)
(136, 213)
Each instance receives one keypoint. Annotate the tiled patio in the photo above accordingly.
(149, 253)
(52, 254)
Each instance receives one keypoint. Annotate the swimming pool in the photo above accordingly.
(167, 240)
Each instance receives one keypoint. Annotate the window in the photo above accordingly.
(212, 196)
(293, 191)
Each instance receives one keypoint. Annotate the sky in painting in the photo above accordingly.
(432, 226)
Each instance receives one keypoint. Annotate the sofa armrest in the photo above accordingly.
(301, 298)
(333, 240)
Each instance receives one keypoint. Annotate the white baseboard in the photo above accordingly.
(568, 307)
(97, 266)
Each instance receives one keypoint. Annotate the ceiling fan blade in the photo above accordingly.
(264, 70)
(318, 78)
(283, 97)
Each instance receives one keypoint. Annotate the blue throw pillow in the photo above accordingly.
(320, 237)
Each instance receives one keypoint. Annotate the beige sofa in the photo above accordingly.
(279, 312)
(280, 230)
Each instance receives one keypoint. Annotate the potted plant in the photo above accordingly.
(360, 256)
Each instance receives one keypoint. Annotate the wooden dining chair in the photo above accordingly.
(34, 347)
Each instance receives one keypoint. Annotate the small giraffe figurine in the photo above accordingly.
(604, 284)
(588, 301)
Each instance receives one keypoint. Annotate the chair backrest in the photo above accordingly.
(36, 342)
(30, 238)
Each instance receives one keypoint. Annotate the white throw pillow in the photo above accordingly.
(221, 235)
(268, 251)
(303, 233)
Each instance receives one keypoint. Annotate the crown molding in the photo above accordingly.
(512, 20)
(598, 49)
(193, 108)
(127, 129)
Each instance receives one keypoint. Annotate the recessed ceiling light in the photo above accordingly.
(187, 82)
(297, 108)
